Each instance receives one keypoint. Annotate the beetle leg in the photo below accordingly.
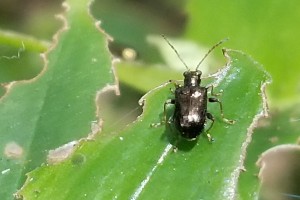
(210, 117)
(215, 100)
(176, 83)
(168, 102)
(211, 87)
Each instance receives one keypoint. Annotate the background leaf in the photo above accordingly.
(266, 30)
(58, 106)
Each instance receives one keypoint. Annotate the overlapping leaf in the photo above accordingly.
(58, 106)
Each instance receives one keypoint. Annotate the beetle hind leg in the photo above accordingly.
(210, 117)
(215, 100)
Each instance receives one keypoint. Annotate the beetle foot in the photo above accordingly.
(163, 122)
(220, 93)
(155, 125)
(175, 149)
(210, 138)
(229, 121)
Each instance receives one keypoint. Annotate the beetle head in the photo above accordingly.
(192, 78)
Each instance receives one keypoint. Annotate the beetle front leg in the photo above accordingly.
(215, 100)
(176, 84)
(211, 87)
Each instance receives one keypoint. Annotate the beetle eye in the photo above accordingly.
(186, 73)
(198, 72)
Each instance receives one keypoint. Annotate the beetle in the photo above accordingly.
(191, 100)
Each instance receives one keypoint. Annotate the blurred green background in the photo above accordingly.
(267, 30)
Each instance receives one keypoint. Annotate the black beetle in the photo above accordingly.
(191, 102)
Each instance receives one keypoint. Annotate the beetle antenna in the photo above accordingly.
(210, 50)
(175, 51)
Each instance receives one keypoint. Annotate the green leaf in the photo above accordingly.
(19, 57)
(139, 162)
(19, 65)
(24, 41)
(59, 105)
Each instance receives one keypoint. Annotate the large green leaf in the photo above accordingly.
(139, 162)
(59, 105)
